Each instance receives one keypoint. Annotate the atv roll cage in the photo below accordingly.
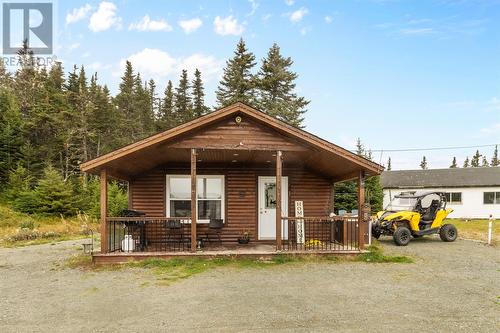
(420, 202)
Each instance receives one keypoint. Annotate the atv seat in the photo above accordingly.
(430, 214)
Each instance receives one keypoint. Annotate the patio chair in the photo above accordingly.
(175, 234)
(215, 229)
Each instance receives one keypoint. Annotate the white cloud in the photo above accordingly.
(289, 2)
(158, 64)
(255, 5)
(73, 46)
(78, 14)
(105, 17)
(191, 25)
(97, 66)
(266, 17)
(298, 15)
(328, 19)
(227, 26)
(417, 31)
(305, 30)
(147, 24)
(492, 129)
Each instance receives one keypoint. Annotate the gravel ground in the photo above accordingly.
(451, 287)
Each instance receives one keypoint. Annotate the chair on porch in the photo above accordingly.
(175, 234)
(215, 229)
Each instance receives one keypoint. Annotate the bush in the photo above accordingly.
(27, 225)
(24, 234)
(117, 198)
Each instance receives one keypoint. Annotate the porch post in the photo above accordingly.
(279, 173)
(193, 200)
(104, 209)
(361, 204)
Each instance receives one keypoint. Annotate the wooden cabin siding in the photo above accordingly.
(241, 211)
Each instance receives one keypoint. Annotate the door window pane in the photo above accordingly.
(270, 195)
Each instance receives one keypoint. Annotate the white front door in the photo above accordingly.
(267, 207)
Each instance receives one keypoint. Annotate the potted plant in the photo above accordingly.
(244, 237)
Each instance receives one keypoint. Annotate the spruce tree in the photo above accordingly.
(11, 138)
(389, 166)
(199, 107)
(276, 85)
(466, 162)
(423, 163)
(454, 163)
(494, 159)
(475, 160)
(166, 118)
(183, 106)
(484, 162)
(238, 82)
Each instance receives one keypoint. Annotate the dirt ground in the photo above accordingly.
(451, 287)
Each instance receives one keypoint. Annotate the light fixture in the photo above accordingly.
(199, 160)
(237, 120)
(274, 155)
(234, 161)
(236, 154)
(268, 161)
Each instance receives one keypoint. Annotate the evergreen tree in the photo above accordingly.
(466, 162)
(166, 117)
(484, 162)
(494, 160)
(360, 149)
(238, 82)
(10, 133)
(276, 85)
(454, 163)
(423, 164)
(183, 106)
(389, 166)
(474, 162)
(199, 107)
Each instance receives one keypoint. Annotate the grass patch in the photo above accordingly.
(476, 229)
(18, 229)
(376, 255)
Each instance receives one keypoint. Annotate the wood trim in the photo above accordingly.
(279, 173)
(193, 200)
(221, 113)
(361, 204)
(104, 209)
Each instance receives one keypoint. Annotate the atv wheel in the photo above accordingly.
(376, 234)
(448, 233)
(402, 236)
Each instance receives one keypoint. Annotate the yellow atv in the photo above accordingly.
(415, 214)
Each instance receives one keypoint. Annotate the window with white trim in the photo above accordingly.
(209, 196)
(491, 198)
(453, 198)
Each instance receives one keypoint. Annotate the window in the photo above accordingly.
(209, 197)
(453, 197)
(490, 198)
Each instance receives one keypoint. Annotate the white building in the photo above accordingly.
(470, 192)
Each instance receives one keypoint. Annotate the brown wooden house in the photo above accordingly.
(234, 171)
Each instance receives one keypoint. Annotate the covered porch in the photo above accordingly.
(232, 174)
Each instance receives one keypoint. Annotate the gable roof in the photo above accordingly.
(451, 177)
(306, 138)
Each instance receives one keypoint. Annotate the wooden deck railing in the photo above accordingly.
(149, 234)
(338, 233)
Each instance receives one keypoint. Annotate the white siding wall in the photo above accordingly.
(472, 201)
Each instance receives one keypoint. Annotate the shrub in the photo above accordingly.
(29, 224)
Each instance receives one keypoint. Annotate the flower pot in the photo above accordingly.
(243, 240)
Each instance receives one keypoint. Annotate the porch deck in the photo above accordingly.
(255, 251)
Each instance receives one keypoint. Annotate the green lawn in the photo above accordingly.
(476, 229)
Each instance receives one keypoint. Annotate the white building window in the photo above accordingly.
(453, 198)
(209, 197)
(491, 198)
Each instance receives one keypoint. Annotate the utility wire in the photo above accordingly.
(428, 149)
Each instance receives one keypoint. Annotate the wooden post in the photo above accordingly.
(193, 200)
(279, 174)
(361, 204)
(104, 210)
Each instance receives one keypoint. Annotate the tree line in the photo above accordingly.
(51, 122)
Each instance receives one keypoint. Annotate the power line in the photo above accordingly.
(428, 149)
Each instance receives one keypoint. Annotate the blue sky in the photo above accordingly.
(397, 74)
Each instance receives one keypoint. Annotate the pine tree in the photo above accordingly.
(276, 85)
(484, 162)
(423, 164)
(389, 166)
(166, 117)
(494, 159)
(466, 162)
(124, 100)
(183, 106)
(238, 82)
(10, 133)
(454, 163)
(360, 149)
(475, 160)
(199, 107)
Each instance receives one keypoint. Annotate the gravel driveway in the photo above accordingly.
(450, 287)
